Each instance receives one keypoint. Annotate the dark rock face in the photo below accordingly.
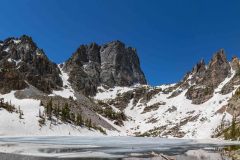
(218, 70)
(120, 65)
(192, 77)
(235, 81)
(199, 71)
(111, 64)
(206, 79)
(22, 62)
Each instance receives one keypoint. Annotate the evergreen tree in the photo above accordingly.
(79, 120)
(41, 103)
(20, 113)
(89, 123)
(40, 113)
(72, 117)
(57, 111)
(233, 128)
(49, 109)
(65, 112)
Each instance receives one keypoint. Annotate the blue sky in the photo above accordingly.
(170, 36)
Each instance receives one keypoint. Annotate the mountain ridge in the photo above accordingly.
(102, 88)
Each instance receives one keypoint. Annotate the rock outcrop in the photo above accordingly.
(112, 64)
(207, 78)
(22, 62)
(235, 81)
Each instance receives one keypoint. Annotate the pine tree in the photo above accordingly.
(57, 111)
(41, 103)
(89, 124)
(86, 123)
(20, 113)
(233, 128)
(79, 120)
(65, 112)
(70, 98)
(40, 113)
(72, 117)
(42, 121)
(49, 109)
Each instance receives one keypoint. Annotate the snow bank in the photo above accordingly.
(111, 93)
(12, 125)
(67, 90)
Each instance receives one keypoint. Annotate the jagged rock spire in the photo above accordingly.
(235, 63)
(199, 67)
(205, 80)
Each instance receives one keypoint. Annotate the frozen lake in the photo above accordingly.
(50, 148)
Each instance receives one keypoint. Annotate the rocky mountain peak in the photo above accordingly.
(86, 54)
(205, 80)
(111, 64)
(219, 68)
(218, 58)
(115, 43)
(235, 63)
(120, 65)
(23, 63)
(199, 67)
(235, 81)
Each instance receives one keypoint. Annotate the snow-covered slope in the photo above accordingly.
(174, 117)
(28, 124)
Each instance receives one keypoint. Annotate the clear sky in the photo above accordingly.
(170, 35)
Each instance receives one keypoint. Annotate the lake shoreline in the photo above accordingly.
(126, 148)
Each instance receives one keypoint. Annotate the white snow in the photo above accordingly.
(201, 154)
(67, 90)
(9, 60)
(111, 93)
(201, 127)
(16, 61)
(38, 53)
(12, 125)
(164, 86)
(6, 49)
(17, 41)
(85, 66)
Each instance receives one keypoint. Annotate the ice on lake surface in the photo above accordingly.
(70, 147)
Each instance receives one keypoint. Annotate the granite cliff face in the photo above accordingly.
(112, 64)
(23, 63)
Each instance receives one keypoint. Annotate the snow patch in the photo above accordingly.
(67, 90)
(17, 41)
(104, 94)
(38, 53)
(6, 49)
(10, 60)
(17, 61)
